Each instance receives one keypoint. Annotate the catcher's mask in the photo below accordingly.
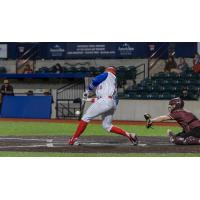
(176, 103)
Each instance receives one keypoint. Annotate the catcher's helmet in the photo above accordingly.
(176, 103)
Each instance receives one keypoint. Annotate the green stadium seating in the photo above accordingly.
(43, 70)
(73, 69)
(166, 86)
(82, 69)
(93, 70)
(101, 69)
(2, 70)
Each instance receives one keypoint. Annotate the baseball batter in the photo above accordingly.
(187, 120)
(105, 105)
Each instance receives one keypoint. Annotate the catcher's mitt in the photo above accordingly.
(148, 120)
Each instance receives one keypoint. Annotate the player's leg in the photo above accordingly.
(189, 138)
(193, 137)
(107, 118)
(176, 138)
(96, 109)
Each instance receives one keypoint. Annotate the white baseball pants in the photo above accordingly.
(104, 107)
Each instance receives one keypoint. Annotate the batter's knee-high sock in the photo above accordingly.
(119, 131)
(81, 127)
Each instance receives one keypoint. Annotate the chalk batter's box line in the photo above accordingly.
(51, 143)
(26, 139)
(124, 145)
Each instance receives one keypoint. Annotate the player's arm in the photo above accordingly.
(95, 82)
(158, 119)
(150, 121)
(161, 118)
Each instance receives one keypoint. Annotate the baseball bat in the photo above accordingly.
(82, 109)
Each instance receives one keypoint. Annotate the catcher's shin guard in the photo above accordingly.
(171, 135)
(186, 141)
(192, 140)
(178, 140)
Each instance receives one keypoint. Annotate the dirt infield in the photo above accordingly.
(93, 144)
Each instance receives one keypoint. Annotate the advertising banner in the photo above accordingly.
(95, 50)
(107, 50)
(56, 50)
(90, 50)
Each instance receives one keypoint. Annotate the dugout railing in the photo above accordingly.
(65, 105)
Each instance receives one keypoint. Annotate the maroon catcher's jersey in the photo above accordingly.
(186, 119)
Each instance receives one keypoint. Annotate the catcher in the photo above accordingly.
(187, 120)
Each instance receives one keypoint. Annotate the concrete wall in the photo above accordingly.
(135, 109)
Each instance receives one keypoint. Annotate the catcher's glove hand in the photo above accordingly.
(148, 120)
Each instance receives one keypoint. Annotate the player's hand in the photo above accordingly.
(149, 123)
(85, 95)
(148, 120)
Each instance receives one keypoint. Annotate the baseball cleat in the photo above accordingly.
(133, 138)
(73, 141)
(171, 136)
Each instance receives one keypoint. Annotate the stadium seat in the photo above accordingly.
(73, 69)
(44, 70)
(131, 72)
(176, 82)
(164, 96)
(2, 70)
(132, 95)
(194, 96)
(65, 69)
(152, 96)
(101, 69)
(93, 70)
(82, 69)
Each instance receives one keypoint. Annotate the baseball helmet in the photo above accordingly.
(176, 103)
(112, 69)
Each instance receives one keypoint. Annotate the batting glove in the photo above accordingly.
(85, 95)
